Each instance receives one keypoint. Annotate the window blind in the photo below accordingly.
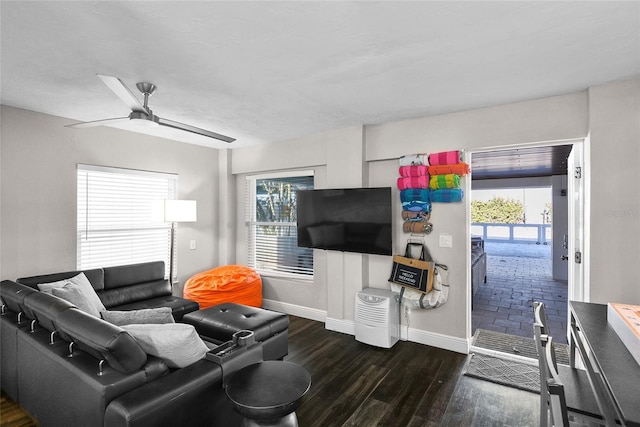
(115, 225)
(272, 225)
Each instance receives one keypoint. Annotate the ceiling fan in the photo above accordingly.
(141, 113)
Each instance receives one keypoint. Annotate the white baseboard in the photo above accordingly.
(459, 345)
(295, 310)
(341, 325)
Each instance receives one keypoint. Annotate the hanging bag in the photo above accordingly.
(413, 297)
(411, 272)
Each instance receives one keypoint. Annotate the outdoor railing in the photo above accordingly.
(513, 233)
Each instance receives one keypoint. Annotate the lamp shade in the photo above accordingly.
(168, 210)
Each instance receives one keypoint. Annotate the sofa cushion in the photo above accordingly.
(126, 275)
(113, 298)
(81, 293)
(46, 308)
(95, 276)
(13, 295)
(158, 315)
(177, 344)
(76, 296)
(192, 396)
(103, 340)
(48, 287)
(179, 306)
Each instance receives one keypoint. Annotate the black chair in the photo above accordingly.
(565, 393)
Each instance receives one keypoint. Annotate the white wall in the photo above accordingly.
(38, 189)
(337, 160)
(371, 159)
(549, 119)
(609, 113)
(614, 196)
(38, 158)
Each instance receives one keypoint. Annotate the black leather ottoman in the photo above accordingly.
(218, 323)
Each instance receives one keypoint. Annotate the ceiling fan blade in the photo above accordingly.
(97, 123)
(122, 91)
(193, 129)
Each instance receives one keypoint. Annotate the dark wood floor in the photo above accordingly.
(11, 415)
(354, 384)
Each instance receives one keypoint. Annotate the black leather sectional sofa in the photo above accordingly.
(69, 368)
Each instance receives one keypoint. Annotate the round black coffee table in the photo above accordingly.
(268, 393)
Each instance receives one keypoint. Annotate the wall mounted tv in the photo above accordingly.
(349, 220)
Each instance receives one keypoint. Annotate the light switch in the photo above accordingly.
(446, 240)
(192, 244)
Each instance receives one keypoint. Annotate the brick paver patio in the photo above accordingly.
(517, 275)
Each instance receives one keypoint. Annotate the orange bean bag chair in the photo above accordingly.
(227, 283)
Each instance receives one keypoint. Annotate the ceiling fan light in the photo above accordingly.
(148, 123)
(143, 120)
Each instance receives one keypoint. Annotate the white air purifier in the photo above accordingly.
(377, 317)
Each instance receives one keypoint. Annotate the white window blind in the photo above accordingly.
(272, 225)
(115, 225)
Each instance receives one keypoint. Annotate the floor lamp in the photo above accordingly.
(175, 211)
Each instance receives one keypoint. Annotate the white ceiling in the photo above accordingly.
(269, 71)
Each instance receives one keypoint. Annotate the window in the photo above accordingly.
(272, 225)
(115, 225)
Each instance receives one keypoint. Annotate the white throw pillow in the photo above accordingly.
(177, 344)
(47, 287)
(76, 296)
(84, 283)
(160, 315)
(85, 286)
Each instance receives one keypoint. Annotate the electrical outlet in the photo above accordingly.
(446, 240)
(192, 244)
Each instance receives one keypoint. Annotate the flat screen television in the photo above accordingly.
(348, 220)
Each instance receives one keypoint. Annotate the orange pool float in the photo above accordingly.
(227, 283)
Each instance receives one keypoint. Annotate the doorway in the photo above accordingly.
(531, 266)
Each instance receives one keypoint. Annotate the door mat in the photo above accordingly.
(512, 344)
(504, 372)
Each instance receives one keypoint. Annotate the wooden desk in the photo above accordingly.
(615, 376)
